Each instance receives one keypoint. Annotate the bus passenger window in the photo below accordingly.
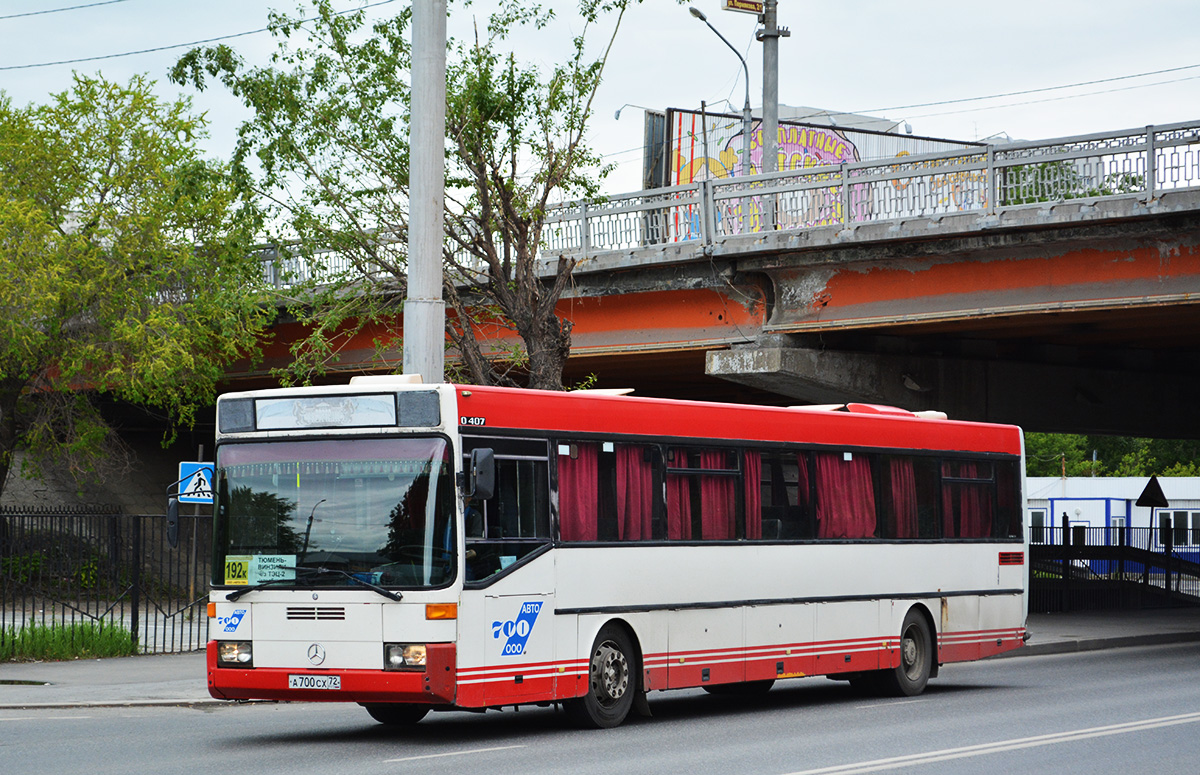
(968, 499)
(845, 495)
(1008, 500)
(579, 491)
(702, 497)
(783, 495)
(908, 497)
(606, 491)
(635, 492)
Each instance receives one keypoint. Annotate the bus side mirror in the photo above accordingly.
(173, 522)
(481, 478)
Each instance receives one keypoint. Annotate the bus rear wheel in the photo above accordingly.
(396, 714)
(612, 682)
(909, 678)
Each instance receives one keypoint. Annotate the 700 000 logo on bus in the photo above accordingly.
(517, 630)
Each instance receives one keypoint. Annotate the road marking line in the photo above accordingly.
(889, 704)
(453, 753)
(984, 749)
(45, 718)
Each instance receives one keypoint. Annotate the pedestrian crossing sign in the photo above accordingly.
(195, 482)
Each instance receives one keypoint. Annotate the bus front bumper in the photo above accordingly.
(435, 685)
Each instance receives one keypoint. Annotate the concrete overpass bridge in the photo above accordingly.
(1053, 284)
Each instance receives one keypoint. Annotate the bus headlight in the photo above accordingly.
(404, 656)
(234, 653)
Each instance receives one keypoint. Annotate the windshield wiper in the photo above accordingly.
(313, 572)
(373, 587)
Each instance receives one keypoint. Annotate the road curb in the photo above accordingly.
(166, 702)
(1098, 644)
(202, 702)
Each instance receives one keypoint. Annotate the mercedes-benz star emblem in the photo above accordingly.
(316, 653)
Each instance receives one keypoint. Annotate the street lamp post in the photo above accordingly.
(747, 118)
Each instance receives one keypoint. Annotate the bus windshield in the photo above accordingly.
(379, 511)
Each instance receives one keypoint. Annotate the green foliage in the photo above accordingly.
(1059, 181)
(64, 641)
(128, 267)
(1046, 454)
(22, 568)
(587, 383)
(327, 155)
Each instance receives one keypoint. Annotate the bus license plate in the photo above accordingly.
(315, 682)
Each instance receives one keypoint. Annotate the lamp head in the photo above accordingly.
(694, 11)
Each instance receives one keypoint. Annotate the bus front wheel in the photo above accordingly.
(908, 679)
(396, 714)
(612, 681)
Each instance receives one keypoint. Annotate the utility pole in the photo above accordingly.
(424, 309)
(770, 35)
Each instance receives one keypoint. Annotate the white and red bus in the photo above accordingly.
(412, 547)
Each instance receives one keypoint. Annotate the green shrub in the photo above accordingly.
(22, 567)
(64, 641)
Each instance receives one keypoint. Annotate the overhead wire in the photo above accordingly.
(59, 10)
(174, 46)
(1056, 99)
(1042, 89)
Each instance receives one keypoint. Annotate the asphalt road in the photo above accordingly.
(1125, 710)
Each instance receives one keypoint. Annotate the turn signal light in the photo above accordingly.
(212, 610)
(441, 610)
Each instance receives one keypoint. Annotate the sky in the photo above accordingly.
(880, 57)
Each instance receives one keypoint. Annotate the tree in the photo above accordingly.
(327, 152)
(128, 270)
(1050, 454)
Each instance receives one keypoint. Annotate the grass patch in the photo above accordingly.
(68, 641)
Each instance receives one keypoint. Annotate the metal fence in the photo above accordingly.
(59, 570)
(1145, 161)
(1104, 568)
(1142, 162)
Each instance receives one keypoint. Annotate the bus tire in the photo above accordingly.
(612, 681)
(909, 678)
(396, 714)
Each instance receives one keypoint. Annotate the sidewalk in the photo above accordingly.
(179, 679)
(1091, 630)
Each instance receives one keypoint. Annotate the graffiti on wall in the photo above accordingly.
(799, 147)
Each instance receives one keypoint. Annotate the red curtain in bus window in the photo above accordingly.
(635, 493)
(679, 500)
(845, 497)
(967, 504)
(902, 521)
(753, 480)
(717, 494)
(579, 493)
(803, 483)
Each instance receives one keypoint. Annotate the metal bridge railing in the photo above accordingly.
(1142, 162)
(1145, 161)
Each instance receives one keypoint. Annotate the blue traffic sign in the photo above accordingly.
(195, 482)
